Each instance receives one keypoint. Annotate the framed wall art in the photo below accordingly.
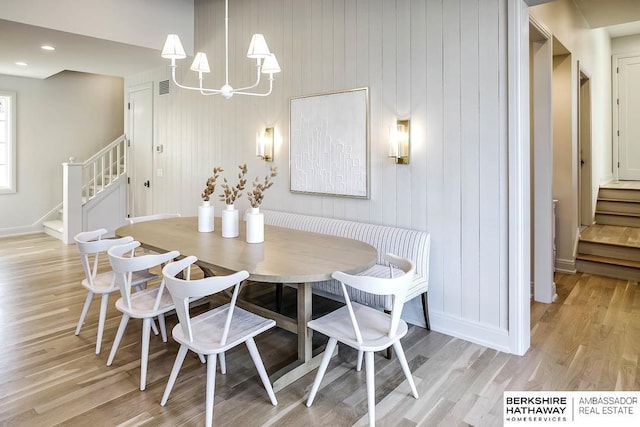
(329, 143)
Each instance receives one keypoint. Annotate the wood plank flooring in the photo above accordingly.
(588, 340)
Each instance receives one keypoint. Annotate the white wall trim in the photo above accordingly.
(519, 177)
(567, 266)
(36, 227)
(485, 335)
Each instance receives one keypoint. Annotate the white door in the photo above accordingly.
(140, 150)
(629, 118)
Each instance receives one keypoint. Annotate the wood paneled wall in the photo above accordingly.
(443, 64)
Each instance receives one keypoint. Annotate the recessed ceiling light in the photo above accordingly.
(47, 47)
(22, 64)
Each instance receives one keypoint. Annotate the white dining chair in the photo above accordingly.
(143, 218)
(212, 332)
(366, 329)
(91, 245)
(145, 304)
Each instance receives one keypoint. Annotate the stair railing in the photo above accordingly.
(83, 182)
(103, 167)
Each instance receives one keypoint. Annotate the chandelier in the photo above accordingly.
(266, 63)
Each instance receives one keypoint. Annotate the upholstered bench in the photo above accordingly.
(403, 242)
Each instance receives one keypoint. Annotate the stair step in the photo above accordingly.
(609, 250)
(54, 228)
(609, 260)
(631, 207)
(630, 194)
(613, 218)
(607, 269)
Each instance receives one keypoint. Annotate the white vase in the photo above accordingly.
(205, 217)
(230, 222)
(255, 226)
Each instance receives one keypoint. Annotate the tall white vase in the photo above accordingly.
(230, 222)
(255, 226)
(205, 217)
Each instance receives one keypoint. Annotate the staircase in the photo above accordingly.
(611, 247)
(94, 193)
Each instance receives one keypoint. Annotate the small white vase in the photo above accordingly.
(205, 217)
(255, 226)
(230, 222)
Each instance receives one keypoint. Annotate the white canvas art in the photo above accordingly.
(329, 137)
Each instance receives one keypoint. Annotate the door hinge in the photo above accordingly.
(618, 101)
(617, 70)
(128, 180)
(618, 165)
(128, 106)
(618, 132)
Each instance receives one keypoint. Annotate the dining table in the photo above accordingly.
(286, 256)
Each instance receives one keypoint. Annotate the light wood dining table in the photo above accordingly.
(288, 256)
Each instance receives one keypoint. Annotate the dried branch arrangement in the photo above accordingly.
(257, 194)
(211, 184)
(229, 193)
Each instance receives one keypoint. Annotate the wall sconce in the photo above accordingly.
(264, 144)
(399, 143)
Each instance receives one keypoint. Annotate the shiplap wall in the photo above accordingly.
(441, 63)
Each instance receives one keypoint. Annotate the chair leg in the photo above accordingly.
(257, 360)
(388, 353)
(211, 388)
(359, 363)
(116, 341)
(174, 373)
(425, 309)
(104, 304)
(85, 309)
(223, 363)
(154, 328)
(279, 297)
(144, 354)
(201, 357)
(328, 352)
(371, 387)
(405, 367)
(163, 326)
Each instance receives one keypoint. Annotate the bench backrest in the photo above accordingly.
(412, 244)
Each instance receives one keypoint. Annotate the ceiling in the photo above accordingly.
(21, 43)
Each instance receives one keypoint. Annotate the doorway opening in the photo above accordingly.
(585, 189)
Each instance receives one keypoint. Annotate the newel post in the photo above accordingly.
(71, 200)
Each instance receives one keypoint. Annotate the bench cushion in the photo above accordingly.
(406, 243)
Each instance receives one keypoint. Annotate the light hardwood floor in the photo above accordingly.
(588, 340)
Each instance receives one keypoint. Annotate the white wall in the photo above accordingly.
(592, 48)
(625, 45)
(441, 63)
(69, 114)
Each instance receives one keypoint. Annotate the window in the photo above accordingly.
(7, 142)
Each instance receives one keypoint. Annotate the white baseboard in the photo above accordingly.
(486, 335)
(567, 266)
(21, 230)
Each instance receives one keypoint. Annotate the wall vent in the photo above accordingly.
(163, 87)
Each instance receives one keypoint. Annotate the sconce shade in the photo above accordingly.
(200, 63)
(270, 65)
(258, 47)
(173, 48)
(264, 144)
(399, 144)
